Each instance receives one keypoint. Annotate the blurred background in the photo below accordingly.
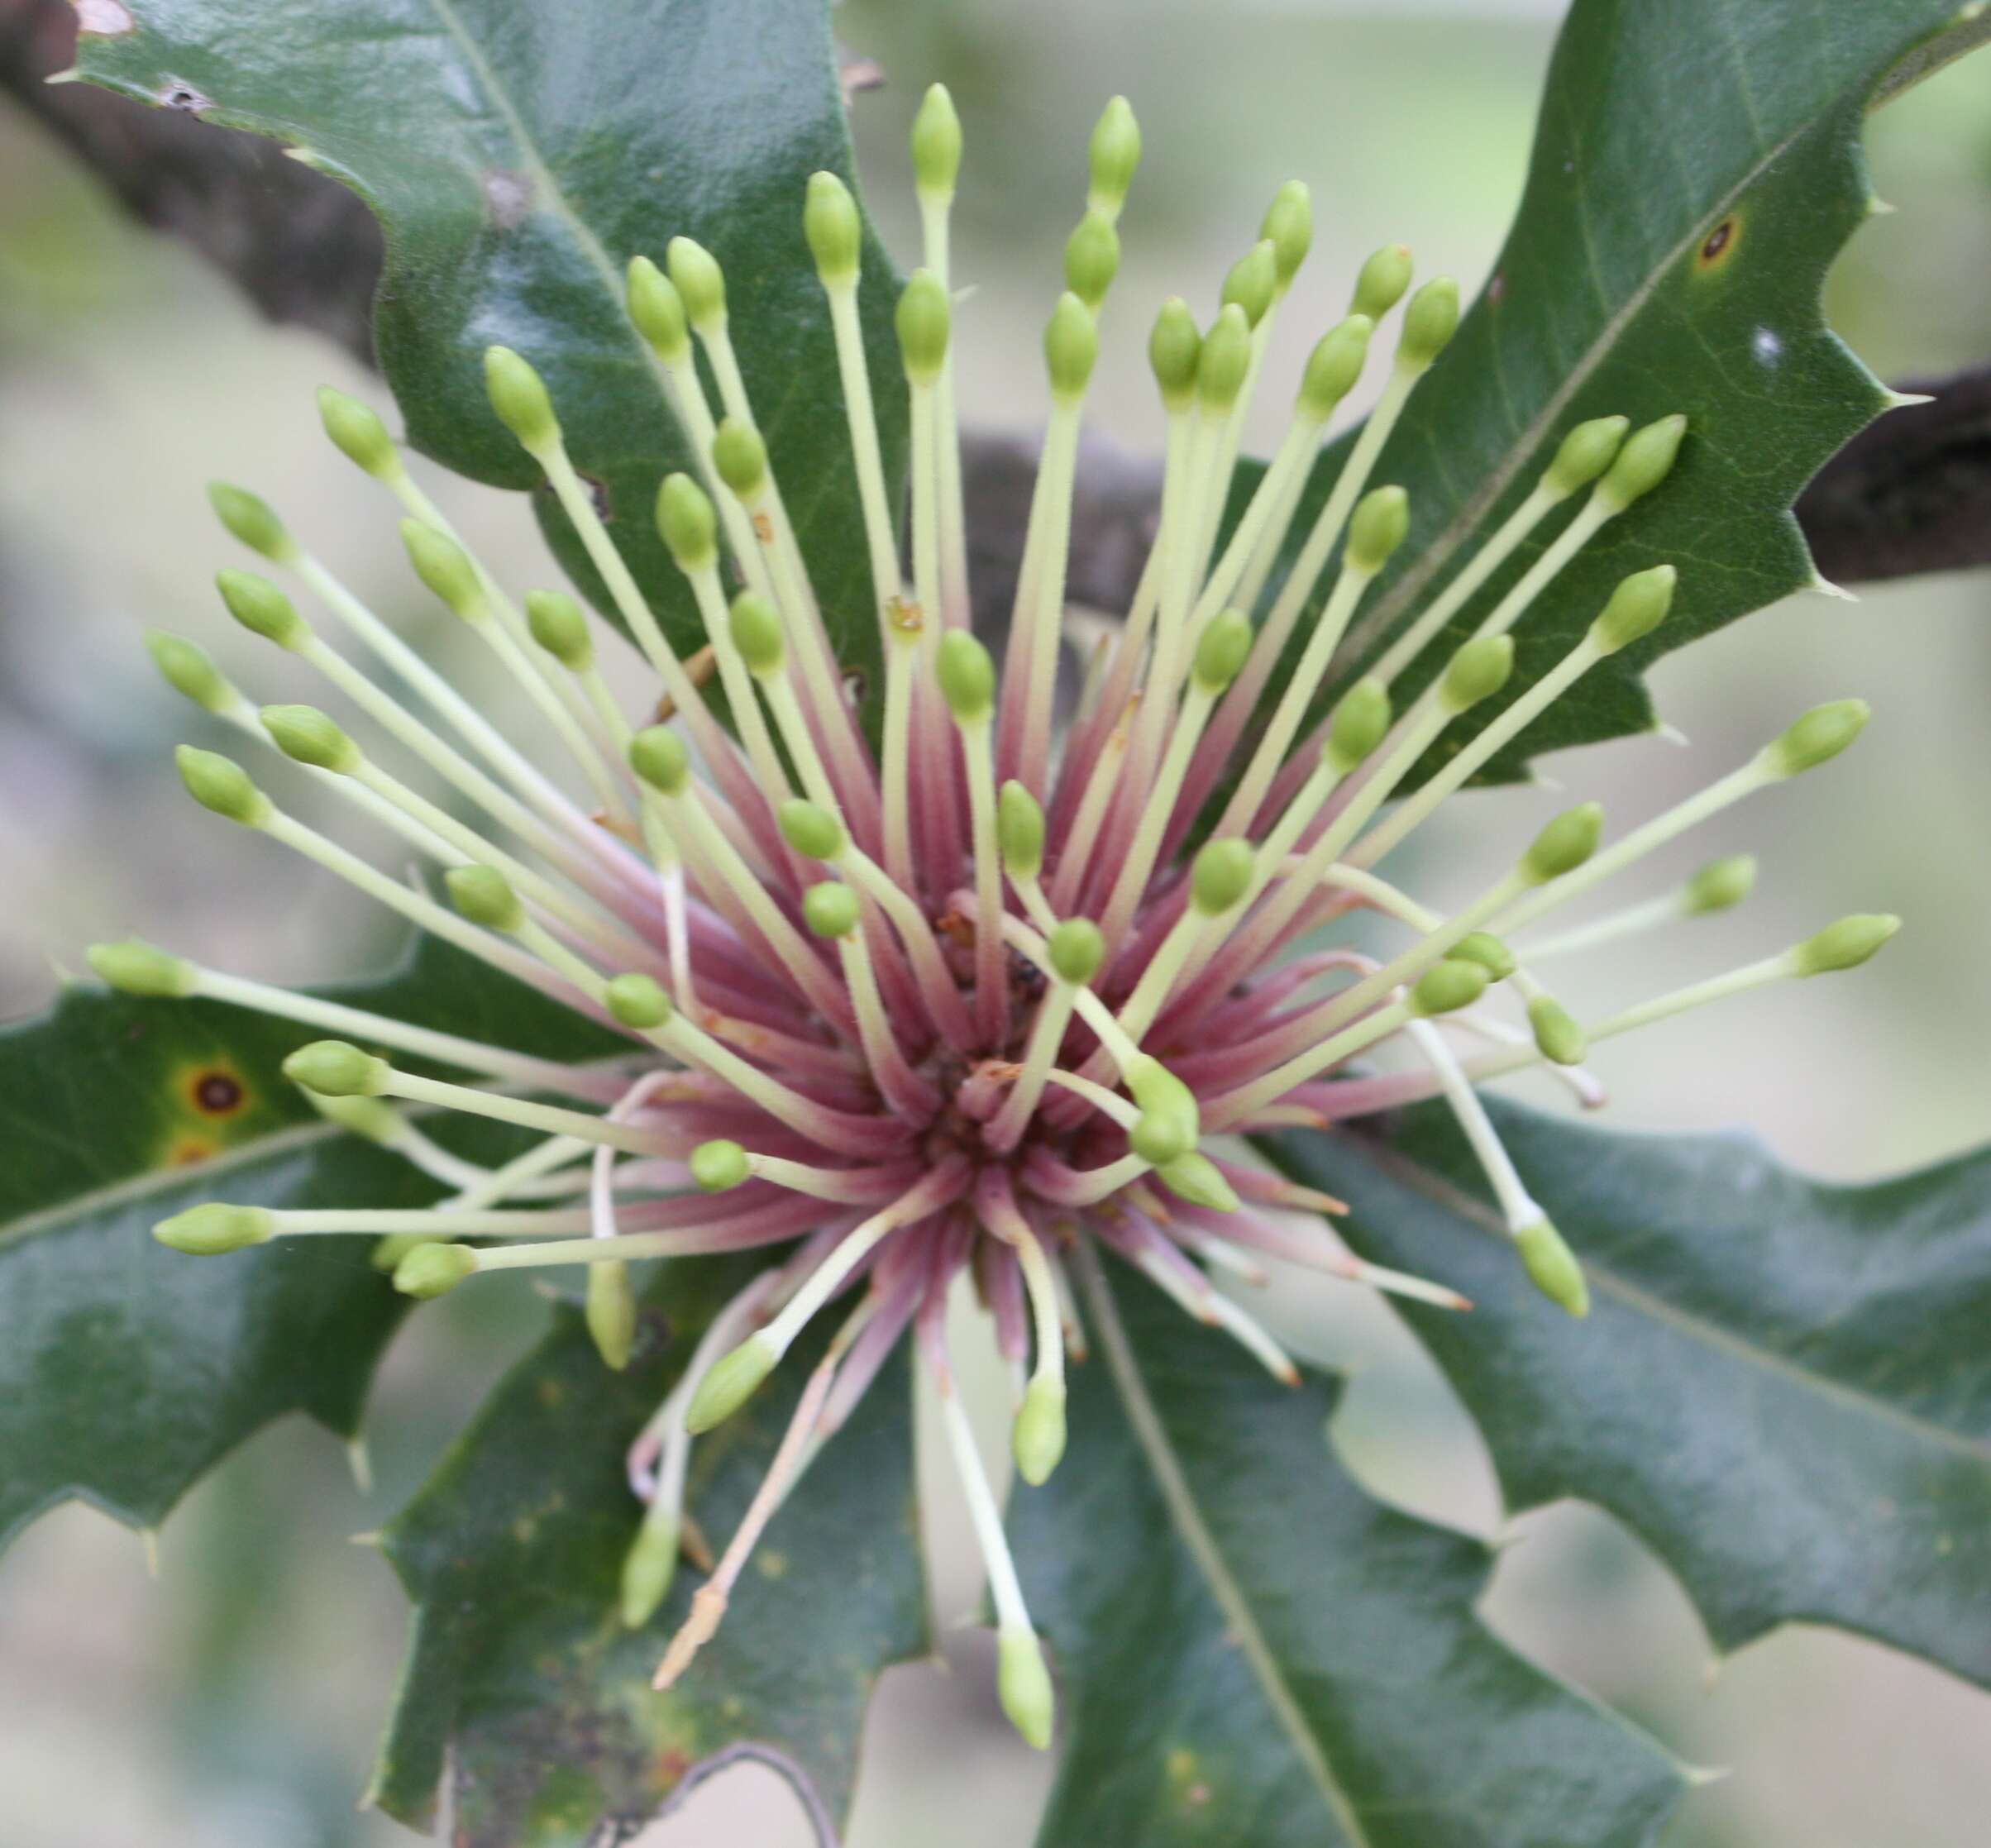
(233, 1698)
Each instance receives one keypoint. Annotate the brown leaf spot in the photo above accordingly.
(1719, 244)
(216, 1092)
(189, 1151)
(176, 93)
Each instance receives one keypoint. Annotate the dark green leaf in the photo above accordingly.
(517, 156)
(1783, 1386)
(1253, 1650)
(519, 1668)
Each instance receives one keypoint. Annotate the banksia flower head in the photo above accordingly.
(958, 1000)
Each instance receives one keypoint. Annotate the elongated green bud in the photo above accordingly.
(1643, 463)
(1092, 255)
(1428, 323)
(1019, 831)
(1564, 844)
(1112, 156)
(1254, 281)
(1220, 874)
(657, 311)
(936, 145)
(1160, 1137)
(485, 896)
(1197, 1179)
(1844, 945)
(135, 967)
(1071, 346)
(518, 395)
(1719, 884)
(1447, 986)
(638, 1001)
(1584, 454)
(729, 1382)
(1381, 518)
(337, 1069)
(1816, 739)
(1334, 366)
(220, 784)
(559, 626)
(1289, 224)
(717, 1166)
(261, 608)
(1224, 360)
(755, 626)
(1359, 722)
(701, 284)
(252, 520)
(739, 458)
(1553, 1267)
(208, 1231)
(1556, 1032)
(1023, 1684)
(657, 755)
(1036, 1439)
(1160, 1093)
(187, 668)
(1637, 607)
(373, 1118)
(830, 909)
(309, 736)
(1381, 282)
(1220, 655)
(1174, 348)
(611, 1311)
(812, 831)
(1478, 671)
(648, 1568)
(923, 320)
(835, 233)
(441, 564)
(359, 433)
(1483, 948)
(966, 677)
(432, 1269)
(1074, 951)
(687, 523)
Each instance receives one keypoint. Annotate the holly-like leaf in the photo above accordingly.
(1696, 169)
(1252, 1649)
(518, 157)
(520, 1672)
(1783, 1387)
(127, 1371)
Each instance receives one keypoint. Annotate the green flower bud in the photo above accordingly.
(359, 433)
(1112, 156)
(657, 311)
(639, 1002)
(1174, 349)
(1719, 884)
(518, 395)
(739, 458)
(261, 608)
(336, 1068)
(1071, 346)
(390, 1250)
(923, 320)
(186, 668)
(1377, 528)
(1564, 844)
(1198, 1180)
(657, 755)
(252, 520)
(701, 284)
(135, 967)
(1160, 1093)
(1074, 951)
(221, 785)
(936, 145)
(1478, 671)
(1092, 254)
(1220, 874)
(1643, 463)
(308, 736)
(1483, 948)
(441, 563)
(1254, 281)
(1023, 1685)
(1220, 655)
(430, 1269)
(373, 1118)
(1222, 361)
(1844, 945)
(1585, 453)
(830, 909)
(835, 233)
(1428, 323)
(1334, 366)
(755, 626)
(1447, 986)
(718, 1165)
(1289, 224)
(1556, 1032)
(1553, 1267)
(966, 677)
(812, 831)
(1816, 739)
(1380, 283)
(1637, 607)
(1359, 722)
(1019, 830)
(1160, 1137)
(208, 1231)
(485, 896)
(729, 1382)
(1036, 1439)
(687, 523)
(648, 1568)
(559, 626)
(611, 1311)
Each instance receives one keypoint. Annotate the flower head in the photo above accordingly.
(960, 1003)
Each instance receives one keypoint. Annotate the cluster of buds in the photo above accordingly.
(958, 1001)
